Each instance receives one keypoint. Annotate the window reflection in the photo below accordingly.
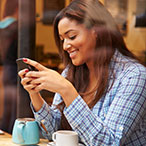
(8, 49)
(125, 13)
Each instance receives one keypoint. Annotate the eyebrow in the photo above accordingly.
(68, 31)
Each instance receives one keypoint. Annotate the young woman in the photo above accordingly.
(101, 94)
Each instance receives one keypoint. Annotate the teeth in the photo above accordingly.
(72, 53)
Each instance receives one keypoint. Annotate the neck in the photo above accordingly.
(91, 68)
(92, 76)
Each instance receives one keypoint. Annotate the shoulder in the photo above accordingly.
(127, 67)
(133, 68)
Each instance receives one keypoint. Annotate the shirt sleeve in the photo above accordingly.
(124, 113)
(49, 116)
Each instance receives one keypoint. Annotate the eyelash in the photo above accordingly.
(71, 38)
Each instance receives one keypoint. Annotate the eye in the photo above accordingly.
(72, 37)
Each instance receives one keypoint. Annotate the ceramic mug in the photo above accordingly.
(25, 131)
(65, 138)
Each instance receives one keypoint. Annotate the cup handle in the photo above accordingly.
(54, 137)
(20, 129)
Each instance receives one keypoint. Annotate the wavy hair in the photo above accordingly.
(92, 13)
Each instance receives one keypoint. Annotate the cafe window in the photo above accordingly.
(50, 9)
(118, 9)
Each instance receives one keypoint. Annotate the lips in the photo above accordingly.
(73, 53)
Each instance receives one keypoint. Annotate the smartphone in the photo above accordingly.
(22, 65)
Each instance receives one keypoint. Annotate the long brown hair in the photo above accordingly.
(92, 13)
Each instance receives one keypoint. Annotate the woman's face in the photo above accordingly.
(77, 40)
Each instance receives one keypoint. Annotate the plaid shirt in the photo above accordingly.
(118, 118)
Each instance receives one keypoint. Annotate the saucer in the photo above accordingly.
(53, 144)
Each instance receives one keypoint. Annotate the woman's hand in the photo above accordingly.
(44, 78)
(48, 79)
(25, 81)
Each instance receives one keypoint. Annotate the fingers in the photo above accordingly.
(30, 87)
(37, 88)
(22, 73)
(26, 81)
(33, 74)
(37, 81)
(37, 65)
(26, 73)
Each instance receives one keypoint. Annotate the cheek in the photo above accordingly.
(88, 49)
(81, 42)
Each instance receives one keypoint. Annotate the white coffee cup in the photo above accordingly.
(65, 138)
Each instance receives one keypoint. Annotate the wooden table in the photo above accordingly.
(6, 140)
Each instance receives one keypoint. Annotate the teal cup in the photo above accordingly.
(25, 131)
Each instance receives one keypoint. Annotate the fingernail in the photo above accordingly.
(24, 59)
(26, 70)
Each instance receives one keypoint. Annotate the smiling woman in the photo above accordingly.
(76, 41)
(101, 93)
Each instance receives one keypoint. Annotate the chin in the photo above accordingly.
(76, 63)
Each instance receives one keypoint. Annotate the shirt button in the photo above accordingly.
(43, 121)
(36, 115)
(121, 128)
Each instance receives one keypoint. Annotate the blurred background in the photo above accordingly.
(26, 30)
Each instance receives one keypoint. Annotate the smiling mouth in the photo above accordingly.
(72, 54)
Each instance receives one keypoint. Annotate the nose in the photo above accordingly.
(66, 45)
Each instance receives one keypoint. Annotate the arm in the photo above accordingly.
(34, 81)
(48, 117)
(116, 120)
(48, 79)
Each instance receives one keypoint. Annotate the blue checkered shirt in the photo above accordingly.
(117, 119)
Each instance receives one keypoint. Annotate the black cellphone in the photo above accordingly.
(22, 65)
